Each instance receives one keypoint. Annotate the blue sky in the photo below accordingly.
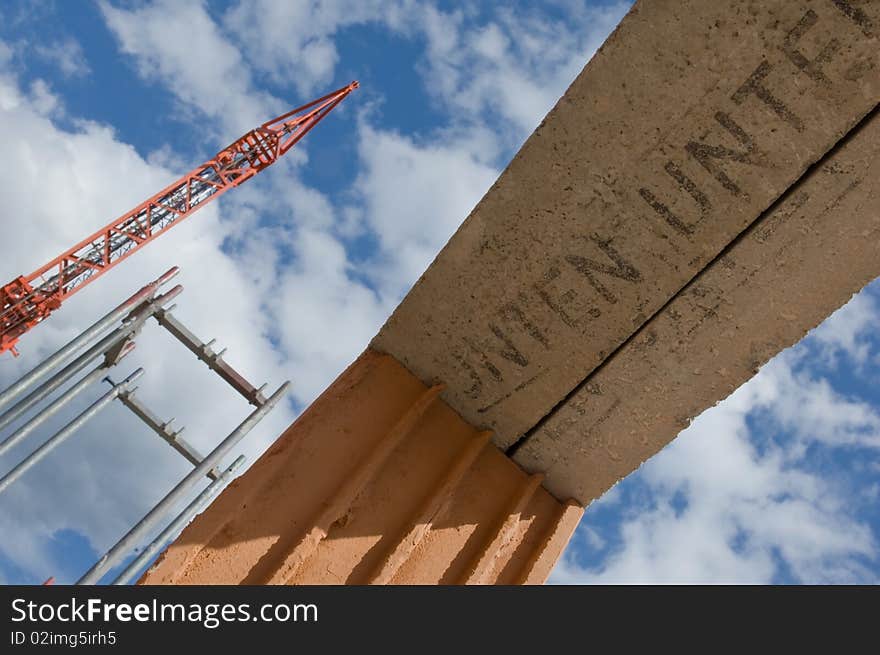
(102, 103)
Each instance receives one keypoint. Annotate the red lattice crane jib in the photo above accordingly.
(28, 300)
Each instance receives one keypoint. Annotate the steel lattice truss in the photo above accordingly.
(30, 299)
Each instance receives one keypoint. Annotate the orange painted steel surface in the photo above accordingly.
(28, 300)
(378, 482)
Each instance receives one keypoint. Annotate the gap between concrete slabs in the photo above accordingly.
(818, 245)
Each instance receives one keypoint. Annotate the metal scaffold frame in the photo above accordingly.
(107, 343)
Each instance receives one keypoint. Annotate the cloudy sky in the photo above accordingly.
(103, 103)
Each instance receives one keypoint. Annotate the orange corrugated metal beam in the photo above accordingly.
(30, 299)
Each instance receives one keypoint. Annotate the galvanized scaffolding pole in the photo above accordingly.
(149, 522)
(173, 528)
(60, 403)
(103, 340)
(115, 339)
(32, 459)
(65, 352)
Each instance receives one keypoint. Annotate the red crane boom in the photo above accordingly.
(30, 299)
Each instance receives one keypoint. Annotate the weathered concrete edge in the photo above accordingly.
(606, 429)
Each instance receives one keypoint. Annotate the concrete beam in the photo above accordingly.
(689, 123)
(819, 245)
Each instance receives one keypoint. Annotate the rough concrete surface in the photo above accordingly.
(819, 245)
(690, 121)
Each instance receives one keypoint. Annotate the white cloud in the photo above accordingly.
(414, 198)
(66, 54)
(293, 41)
(514, 66)
(42, 99)
(324, 318)
(811, 409)
(179, 45)
(847, 331)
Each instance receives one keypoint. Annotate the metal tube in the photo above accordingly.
(65, 352)
(113, 556)
(27, 463)
(16, 437)
(60, 378)
(178, 523)
(110, 341)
